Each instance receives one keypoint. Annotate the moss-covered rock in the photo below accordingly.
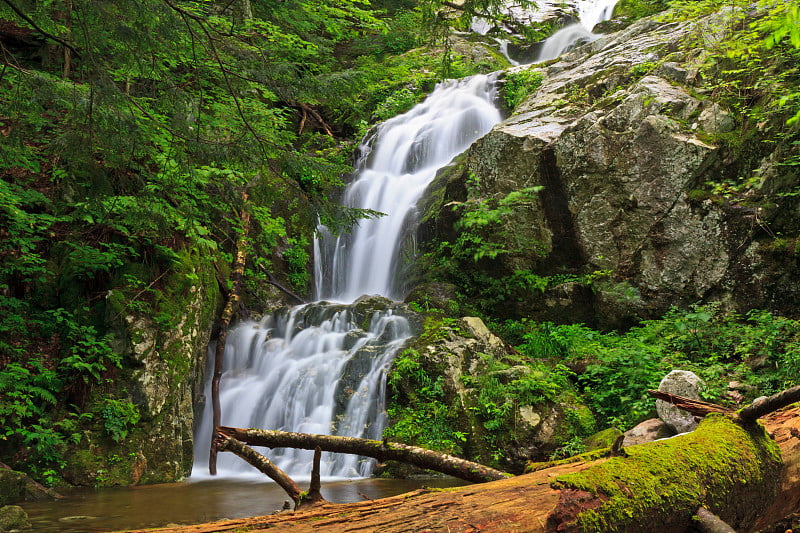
(461, 389)
(667, 481)
(13, 518)
(12, 486)
(165, 348)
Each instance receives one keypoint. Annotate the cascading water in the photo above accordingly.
(320, 367)
(396, 165)
(590, 12)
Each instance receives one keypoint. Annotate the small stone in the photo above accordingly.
(681, 383)
(714, 119)
(647, 431)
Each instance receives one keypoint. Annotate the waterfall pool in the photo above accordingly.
(195, 501)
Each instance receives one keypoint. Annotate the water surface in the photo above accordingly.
(112, 509)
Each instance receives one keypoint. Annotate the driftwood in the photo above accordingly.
(265, 466)
(708, 522)
(224, 321)
(730, 469)
(380, 450)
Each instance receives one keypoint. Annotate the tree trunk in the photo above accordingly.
(380, 450)
(734, 471)
(224, 321)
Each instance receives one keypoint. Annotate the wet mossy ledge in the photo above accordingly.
(142, 432)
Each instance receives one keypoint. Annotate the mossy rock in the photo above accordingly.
(717, 466)
(13, 518)
(602, 439)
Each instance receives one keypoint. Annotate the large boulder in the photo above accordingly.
(622, 148)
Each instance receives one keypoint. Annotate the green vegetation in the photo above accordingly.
(519, 85)
(760, 351)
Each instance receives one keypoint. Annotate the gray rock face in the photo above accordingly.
(681, 383)
(621, 146)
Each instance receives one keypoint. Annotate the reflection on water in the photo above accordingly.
(89, 510)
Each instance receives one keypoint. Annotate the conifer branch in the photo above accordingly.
(36, 27)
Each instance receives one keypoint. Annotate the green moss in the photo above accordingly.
(716, 466)
(603, 439)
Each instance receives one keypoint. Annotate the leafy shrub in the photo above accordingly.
(519, 85)
(119, 416)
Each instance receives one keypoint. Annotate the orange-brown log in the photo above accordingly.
(553, 500)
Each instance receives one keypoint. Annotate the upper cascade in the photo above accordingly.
(397, 162)
(590, 13)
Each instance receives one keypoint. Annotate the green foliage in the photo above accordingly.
(297, 258)
(636, 9)
(119, 416)
(519, 85)
(423, 419)
(760, 350)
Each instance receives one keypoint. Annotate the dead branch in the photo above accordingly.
(711, 523)
(224, 443)
(695, 407)
(382, 451)
(765, 406)
(224, 321)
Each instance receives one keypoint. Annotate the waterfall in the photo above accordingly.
(397, 163)
(590, 13)
(321, 367)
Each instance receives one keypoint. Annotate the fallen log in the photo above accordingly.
(380, 450)
(735, 471)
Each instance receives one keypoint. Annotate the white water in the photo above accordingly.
(590, 13)
(397, 163)
(312, 368)
(283, 373)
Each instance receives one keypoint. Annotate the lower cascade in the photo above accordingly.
(315, 368)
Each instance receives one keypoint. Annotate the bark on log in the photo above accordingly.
(730, 469)
(262, 464)
(695, 407)
(380, 450)
(224, 321)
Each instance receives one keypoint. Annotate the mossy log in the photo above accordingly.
(737, 472)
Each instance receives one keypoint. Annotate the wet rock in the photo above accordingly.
(647, 431)
(463, 354)
(13, 518)
(681, 383)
